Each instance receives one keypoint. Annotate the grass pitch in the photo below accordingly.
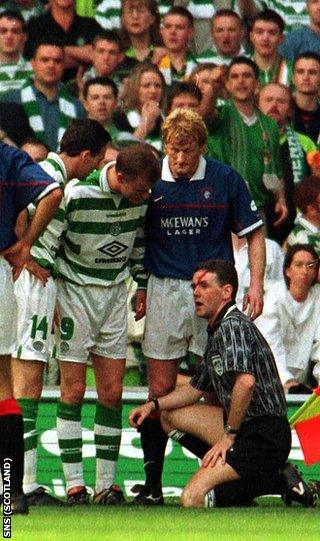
(269, 521)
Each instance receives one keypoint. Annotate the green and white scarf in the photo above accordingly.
(297, 157)
(31, 107)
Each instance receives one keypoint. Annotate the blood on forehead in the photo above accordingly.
(197, 281)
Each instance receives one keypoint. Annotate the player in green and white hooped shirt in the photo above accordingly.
(82, 148)
(14, 69)
(103, 245)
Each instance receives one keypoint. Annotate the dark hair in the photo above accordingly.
(288, 258)
(104, 81)
(238, 60)
(182, 12)
(270, 16)
(184, 87)
(306, 192)
(47, 42)
(224, 12)
(84, 134)
(136, 161)
(13, 15)
(308, 55)
(225, 272)
(108, 35)
(155, 37)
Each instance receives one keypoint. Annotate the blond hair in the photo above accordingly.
(184, 124)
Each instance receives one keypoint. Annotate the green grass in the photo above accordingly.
(269, 521)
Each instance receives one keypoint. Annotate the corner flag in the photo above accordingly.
(306, 422)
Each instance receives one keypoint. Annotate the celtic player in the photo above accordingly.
(102, 246)
(82, 148)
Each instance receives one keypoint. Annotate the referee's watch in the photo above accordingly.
(229, 430)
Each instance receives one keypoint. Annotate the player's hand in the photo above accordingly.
(17, 256)
(138, 415)
(140, 304)
(253, 302)
(218, 451)
(282, 211)
(35, 269)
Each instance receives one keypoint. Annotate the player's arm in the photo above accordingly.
(19, 253)
(253, 300)
(240, 400)
(182, 396)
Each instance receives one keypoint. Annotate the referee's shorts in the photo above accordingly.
(261, 447)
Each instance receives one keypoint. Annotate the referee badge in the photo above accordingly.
(217, 364)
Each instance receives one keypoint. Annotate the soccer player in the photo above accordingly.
(193, 209)
(245, 427)
(82, 147)
(102, 246)
(21, 182)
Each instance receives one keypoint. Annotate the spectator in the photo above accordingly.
(14, 69)
(176, 31)
(307, 228)
(227, 32)
(143, 102)
(210, 80)
(108, 12)
(26, 8)
(48, 105)
(273, 270)
(184, 96)
(290, 319)
(60, 22)
(100, 101)
(266, 35)
(306, 107)
(248, 140)
(140, 28)
(305, 38)
(275, 101)
(108, 60)
(293, 12)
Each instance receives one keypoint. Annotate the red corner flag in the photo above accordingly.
(306, 422)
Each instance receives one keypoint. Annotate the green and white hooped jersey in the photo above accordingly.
(13, 76)
(108, 12)
(305, 232)
(104, 240)
(293, 12)
(211, 56)
(45, 249)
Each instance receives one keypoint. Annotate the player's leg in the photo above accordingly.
(109, 374)
(11, 424)
(165, 343)
(36, 305)
(73, 346)
(108, 359)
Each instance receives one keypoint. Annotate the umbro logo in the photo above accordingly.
(113, 248)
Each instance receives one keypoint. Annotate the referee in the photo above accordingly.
(243, 435)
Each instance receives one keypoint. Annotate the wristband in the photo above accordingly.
(229, 430)
(156, 403)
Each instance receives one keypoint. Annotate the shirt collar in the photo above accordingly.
(221, 315)
(307, 225)
(198, 175)
(103, 177)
